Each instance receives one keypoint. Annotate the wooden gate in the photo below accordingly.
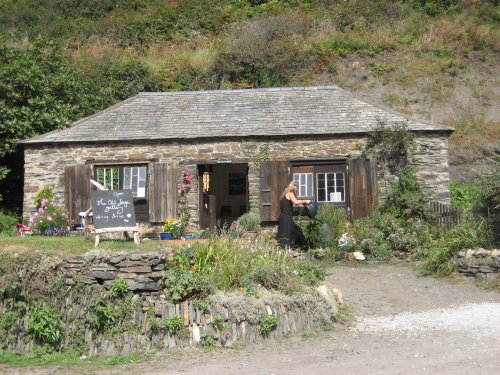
(446, 216)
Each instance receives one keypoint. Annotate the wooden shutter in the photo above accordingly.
(274, 177)
(77, 189)
(162, 191)
(363, 188)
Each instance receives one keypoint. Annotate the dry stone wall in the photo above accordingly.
(478, 263)
(147, 304)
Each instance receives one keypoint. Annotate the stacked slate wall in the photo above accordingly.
(478, 263)
(146, 302)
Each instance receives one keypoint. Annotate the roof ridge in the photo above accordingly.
(225, 91)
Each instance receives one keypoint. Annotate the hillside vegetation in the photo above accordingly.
(436, 60)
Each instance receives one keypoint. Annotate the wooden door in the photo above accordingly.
(363, 188)
(77, 189)
(162, 191)
(274, 177)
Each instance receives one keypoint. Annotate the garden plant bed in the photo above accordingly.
(374, 293)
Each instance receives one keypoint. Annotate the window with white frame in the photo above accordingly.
(135, 179)
(330, 187)
(304, 183)
(123, 177)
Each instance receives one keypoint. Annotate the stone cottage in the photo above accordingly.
(240, 147)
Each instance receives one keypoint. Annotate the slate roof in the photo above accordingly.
(269, 112)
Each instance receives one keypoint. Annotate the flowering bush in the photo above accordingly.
(50, 219)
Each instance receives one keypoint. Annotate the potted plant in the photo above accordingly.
(171, 230)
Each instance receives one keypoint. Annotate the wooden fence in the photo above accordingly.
(446, 216)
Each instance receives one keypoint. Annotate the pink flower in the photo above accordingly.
(227, 334)
(49, 218)
(40, 210)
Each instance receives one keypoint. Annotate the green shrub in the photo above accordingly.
(118, 288)
(207, 340)
(45, 325)
(8, 223)
(249, 221)
(269, 277)
(342, 46)
(267, 324)
(464, 194)
(101, 316)
(488, 204)
(312, 232)
(334, 222)
(218, 323)
(310, 273)
(406, 200)
(180, 285)
(173, 324)
(9, 320)
(154, 325)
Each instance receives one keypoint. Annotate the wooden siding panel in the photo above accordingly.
(77, 189)
(162, 191)
(274, 178)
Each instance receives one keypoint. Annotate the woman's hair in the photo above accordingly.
(292, 187)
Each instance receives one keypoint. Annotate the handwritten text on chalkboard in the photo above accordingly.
(113, 208)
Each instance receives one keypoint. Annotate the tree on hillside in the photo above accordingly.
(40, 91)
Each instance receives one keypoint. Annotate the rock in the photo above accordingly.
(358, 255)
(196, 333)
(116, 259)
(137, 269)
(328, 294)
(129, 263)
(101, 275)
(469, 253)
(339, 297)
(85, 279)
(143, 286)
(135, 256)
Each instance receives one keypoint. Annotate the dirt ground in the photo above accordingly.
(400, 323)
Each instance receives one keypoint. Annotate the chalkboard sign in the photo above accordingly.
(112, 208)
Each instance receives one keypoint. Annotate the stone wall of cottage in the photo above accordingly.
(44, 165)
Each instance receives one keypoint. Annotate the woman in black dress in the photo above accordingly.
(289, 233)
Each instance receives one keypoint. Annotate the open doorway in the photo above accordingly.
(223, 193)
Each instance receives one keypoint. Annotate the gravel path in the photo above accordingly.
(402, 324)
(475, 320)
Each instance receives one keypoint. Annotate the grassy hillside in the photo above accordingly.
(435, 60)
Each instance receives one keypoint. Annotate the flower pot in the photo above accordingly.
(166, 236)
